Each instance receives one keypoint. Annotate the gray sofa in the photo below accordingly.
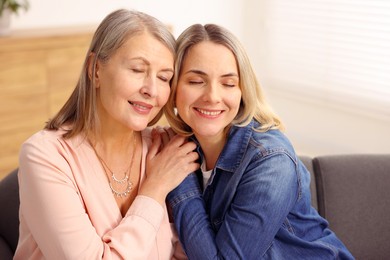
(9, 216)
(351, 191)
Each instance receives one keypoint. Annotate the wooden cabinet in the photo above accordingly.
(38, 71)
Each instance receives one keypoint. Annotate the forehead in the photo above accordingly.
(210, 55)
(147, 46)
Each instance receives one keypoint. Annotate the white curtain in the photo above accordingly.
(337, 52)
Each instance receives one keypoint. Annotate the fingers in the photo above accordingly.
(187, 147)
(165, 136)
(166, 141)
(166, 133)
(170, 132)
(167, 168)
(193, 164)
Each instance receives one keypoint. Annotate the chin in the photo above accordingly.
(138, 126)
(207, 132)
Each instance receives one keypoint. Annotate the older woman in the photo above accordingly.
(88, 189)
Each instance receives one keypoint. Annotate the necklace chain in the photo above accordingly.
(124, 180)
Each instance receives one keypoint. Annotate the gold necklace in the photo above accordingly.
(125, 180)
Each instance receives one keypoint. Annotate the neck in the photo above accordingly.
(115, 149)
(112, 134)
(113, 138)
(212, 148)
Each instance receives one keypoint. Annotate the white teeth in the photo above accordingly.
(209, 113)
(137, 105)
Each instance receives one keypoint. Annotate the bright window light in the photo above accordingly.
(335, 51)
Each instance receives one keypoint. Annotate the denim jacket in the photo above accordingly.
(256, 205)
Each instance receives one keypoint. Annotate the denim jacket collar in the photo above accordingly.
(233, 152)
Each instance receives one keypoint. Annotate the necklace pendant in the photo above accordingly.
(120, 181)
(122, 194)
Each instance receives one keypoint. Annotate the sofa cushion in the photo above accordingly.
(307, 161)
(9, 217)
(5, 250)
(353, 195)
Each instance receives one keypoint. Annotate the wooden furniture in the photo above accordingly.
(38, 70)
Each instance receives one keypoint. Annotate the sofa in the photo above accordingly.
(9, 216)
(351, 191)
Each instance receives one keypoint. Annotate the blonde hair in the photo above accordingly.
(253, 103)
(79, 111)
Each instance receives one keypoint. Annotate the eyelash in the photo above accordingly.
(195, 82)
(201, 82)
(138, 70)
(163, 79)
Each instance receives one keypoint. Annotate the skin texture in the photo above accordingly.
(208, 95)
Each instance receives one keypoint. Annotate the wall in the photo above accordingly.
(180, 14)
(320, 129)
(314, 128)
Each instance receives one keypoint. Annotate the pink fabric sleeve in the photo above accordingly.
(54, 211)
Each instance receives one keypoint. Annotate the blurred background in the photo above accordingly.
(325, 65)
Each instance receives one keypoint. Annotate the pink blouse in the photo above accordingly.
(67, 210)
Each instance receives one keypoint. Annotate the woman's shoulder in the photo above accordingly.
(45, 136)
(146, 135)
(52, 141)
(272, 141)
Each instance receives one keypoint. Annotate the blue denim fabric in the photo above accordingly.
(256, 205)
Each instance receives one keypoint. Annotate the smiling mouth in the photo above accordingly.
(140, 107)
(209, 112)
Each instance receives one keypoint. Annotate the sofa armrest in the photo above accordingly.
(9, 217)
(308, 162)
(353, 195)
(5, 250)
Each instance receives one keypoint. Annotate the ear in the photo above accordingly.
(93, 69)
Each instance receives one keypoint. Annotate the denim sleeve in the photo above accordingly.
(263, 198)
(191, 220)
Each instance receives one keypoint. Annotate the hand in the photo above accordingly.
(166, 134)
(170, 159)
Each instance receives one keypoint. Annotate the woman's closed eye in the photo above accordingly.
(195, 82)
(137, 70)
(229, 82)
(165, 76)
(163, 79)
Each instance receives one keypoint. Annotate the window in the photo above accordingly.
(337, 52)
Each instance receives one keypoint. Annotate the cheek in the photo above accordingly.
(186, 94)
(235, 100)
(164, 95)
(181, 99)
(179, 103)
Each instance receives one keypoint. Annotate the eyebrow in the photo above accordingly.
(142, 59)
(199, 72)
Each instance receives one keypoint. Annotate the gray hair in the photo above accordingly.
(113, 31)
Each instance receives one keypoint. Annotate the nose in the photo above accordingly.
(212, 93)
(149, 88)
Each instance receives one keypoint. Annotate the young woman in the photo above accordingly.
(251, 197)
(87, 188)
